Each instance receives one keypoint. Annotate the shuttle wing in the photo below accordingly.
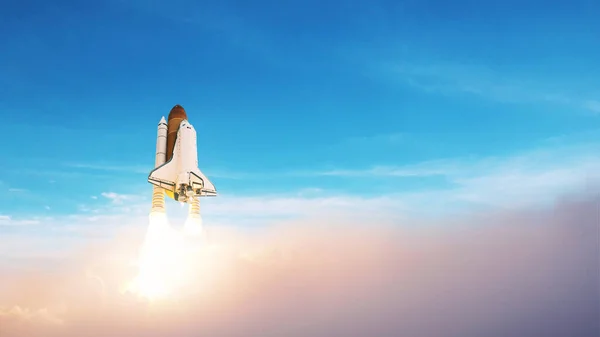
(163, 176)
(198, 180)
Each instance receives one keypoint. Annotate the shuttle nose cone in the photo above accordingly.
(177, 112)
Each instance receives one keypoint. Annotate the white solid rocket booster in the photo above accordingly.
(158, 195)
(194, 210)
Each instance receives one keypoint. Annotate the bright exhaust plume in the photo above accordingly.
(165, 261)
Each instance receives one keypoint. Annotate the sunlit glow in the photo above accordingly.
(167, 257)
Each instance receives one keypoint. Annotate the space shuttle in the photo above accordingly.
(176, 172)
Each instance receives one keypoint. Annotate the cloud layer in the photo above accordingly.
(518, 273)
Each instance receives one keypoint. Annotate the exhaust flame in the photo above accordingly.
(162, 264)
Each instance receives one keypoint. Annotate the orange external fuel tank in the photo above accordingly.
(176, 115)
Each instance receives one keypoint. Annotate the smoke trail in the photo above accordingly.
(509, 273)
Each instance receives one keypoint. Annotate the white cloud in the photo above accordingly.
(430, 168)
(593, 106)
(483, 81)
(117, 198)
(145, 169)
(17, 190)
(7, 220)
(532, 177)
(360, 272)
(300, 205)
(535, 177)
(308, 191)
(108, 167)
(577, 157)
(26, 315)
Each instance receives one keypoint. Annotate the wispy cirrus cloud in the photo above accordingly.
(109, 167)
(120, 198)
(536, 176)
(531, 177)
(223, 20)
(526, 177)
(557, 154)
(433, 168)
(17, 190)
(593, 105)
(145, 169)
(7, 220)
(28, 316)
(483, 81)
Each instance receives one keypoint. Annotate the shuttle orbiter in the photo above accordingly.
(177, 171)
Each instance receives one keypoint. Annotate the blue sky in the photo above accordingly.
(376, 105)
